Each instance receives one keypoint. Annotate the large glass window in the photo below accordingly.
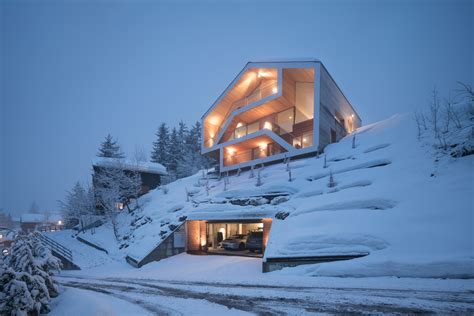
(252, 128)
(285, 120)
(240, 131)
(307, 139)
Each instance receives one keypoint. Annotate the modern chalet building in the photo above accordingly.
(276, 109)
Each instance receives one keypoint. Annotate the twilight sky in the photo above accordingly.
(73, 71)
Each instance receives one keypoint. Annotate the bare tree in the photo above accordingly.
(434, 112)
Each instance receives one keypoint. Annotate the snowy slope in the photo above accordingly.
(86, 257)
(395, 198)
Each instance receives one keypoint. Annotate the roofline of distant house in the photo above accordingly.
(279, 61)
(127, 165)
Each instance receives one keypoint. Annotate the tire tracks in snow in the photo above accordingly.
(275, 299)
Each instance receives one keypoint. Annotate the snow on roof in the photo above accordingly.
(147, 167)
(219, 212)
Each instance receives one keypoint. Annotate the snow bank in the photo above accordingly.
(75, 302)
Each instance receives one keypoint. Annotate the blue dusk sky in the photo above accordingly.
(73, 71)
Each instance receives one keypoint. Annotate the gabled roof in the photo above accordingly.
(255, 63)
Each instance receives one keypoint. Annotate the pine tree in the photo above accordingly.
(160, 151)
(29, 271)
(176, 152)
(47, 265)
(16, 298)
(34, 209)
(184, 138)
(110, 149)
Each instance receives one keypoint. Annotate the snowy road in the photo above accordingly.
(186, 297)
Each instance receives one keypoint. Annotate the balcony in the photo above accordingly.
(251, 149)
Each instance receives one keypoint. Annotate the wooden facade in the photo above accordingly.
(293, 107)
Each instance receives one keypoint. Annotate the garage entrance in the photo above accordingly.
(231, 238)
(243, 237)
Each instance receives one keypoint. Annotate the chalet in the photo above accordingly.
(276, 109)
(150, 173)
(271, 111)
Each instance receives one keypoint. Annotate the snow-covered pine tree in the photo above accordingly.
(29, 271)
(15, 297)
(110, 148)
(48, 265)
(160, 153)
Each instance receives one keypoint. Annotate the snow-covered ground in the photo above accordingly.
(394, 198)
(203, 285)
(77, 302)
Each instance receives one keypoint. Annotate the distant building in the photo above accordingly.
(31, 222)
(150, 173)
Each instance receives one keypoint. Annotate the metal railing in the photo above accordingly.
(54, 246)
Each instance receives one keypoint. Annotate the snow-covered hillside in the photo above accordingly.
(395, 197)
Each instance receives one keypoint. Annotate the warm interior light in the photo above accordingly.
(275, 90)
(60, 222)
(267, 125)
(213, 120)
(304, 140)
(352, 115)
(290, 117)
(231, 151)
(240, 124)
(262, 146)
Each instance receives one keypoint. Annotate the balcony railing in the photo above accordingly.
(266, 88)
(274, 122)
